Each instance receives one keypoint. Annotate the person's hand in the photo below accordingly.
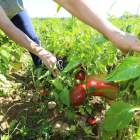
(49, 59)
(126, 41)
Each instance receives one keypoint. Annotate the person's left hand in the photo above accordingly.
(49, 59)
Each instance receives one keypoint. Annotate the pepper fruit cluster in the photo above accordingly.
(95, 86)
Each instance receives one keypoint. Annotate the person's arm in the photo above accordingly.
(83, 11)
(23, 40)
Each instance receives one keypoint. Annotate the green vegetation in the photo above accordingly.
(27, 114)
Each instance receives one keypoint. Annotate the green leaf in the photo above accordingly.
(73, 128)
(16, 55)
(88, 108)
(70, 113)
(17, 65)
(39, 71)
(58, 7)
(5, 53)
(138, 131)
(10, 77)
(129, 28)
(56, 95)
(124, 86)
(81, 110)
(138, 93)
(71, 65)
(118, 116)
(138, 36)
(5, 137)
(24, 131)
(136, 138)
(64, 96)
(45, 75)
(37, 82)
(3, 68)
(88, 130)
(101, 39)
(128, 69)
(75, 71)
(107, 135)
(111, 60)
(60, 105)
(12, 124)
(137, 84)
(57, 84)
(5, 60)
(92, 39)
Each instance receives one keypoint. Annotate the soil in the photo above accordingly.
(16, 109)
(31, 111)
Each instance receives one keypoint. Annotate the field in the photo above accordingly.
(28, 113)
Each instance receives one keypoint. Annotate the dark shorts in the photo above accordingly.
(23, 22)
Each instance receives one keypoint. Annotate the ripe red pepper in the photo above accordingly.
(96, 86)
(68, 44)
(80, 66)
(91, 121)
(80, 75)
(44, 92)
(78, 94)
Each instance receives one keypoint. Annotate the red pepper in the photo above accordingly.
(96, 86)
(68, 44)
(78, 94)
(91, 121)
(80, 75)
(44, 92)
(80, 66)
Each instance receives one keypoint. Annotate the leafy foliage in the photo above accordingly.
(97, 55)
(118, 116)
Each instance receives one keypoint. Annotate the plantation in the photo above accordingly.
(36, 106)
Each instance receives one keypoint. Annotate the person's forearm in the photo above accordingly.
(17, 35)
(23, 40)
(85, 13)
(82, 10)
(20, 38)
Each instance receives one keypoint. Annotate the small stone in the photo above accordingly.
(18, 98)
(51, 105)
(58, 125)
(30, 94)
(35, 97)
(4, 125)
(56, 111)
(65, 126)
(82, 121)
(1, 118)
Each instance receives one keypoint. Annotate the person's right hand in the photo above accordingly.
(126, 41)
(87, 14)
